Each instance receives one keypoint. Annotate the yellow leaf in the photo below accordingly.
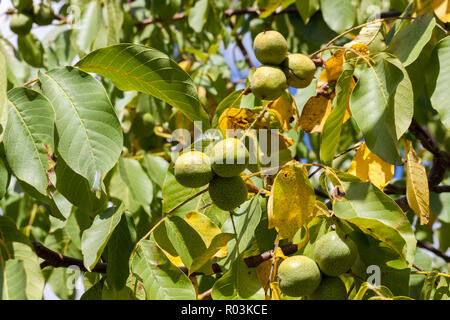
(333, 68)
(442, 9)
(205, 228)
(421, 7)
(276, 291)
(417, 192)
(291, 203)
(369, 167)
(185, 65)
(263, 269)
(235, 118)
(285, 110)
(315, 113)
(176, 260)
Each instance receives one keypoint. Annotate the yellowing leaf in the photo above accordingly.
(285, 110)
(235, 118)
(367, 166)
(276, 291)
(176, 260)
(315, 113)
(421, 7)
(263, 269)
(291, 203)
(185, 65)
(442, 9)
(417, 192)
(206, 229)
(333, 68)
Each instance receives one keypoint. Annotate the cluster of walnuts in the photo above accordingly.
(318, 278)
(279, 69)
(27, 13)
(221, 169)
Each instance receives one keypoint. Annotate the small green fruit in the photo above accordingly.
(299, 70)
(330, 288)
(229, 157)
(23, 5)
(268, 82)
(270, 47)
(21, 23)
(298, 276)
(333, 254)
(193, 169)
(227, 193)
(43, 14)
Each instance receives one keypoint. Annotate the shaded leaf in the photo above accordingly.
(94, 239)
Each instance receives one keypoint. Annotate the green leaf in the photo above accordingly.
(31, 50)
(329, 139)
(382, 105)
(86, 29)
(428, 285)
(375, 213)
(3, 95)
(307, 8)
(239, 283)
(75, 189)
(443, 289)
(161, 279)
(197, 15)
(393, 270)
(174, 193)
(131, 185)
(13, 286)
(338, 15)
(416, 281)
(29, 131)
(156, 168)
(120, 246)
(217, 243)
(89, 132)
(4, 176)
(114, 15)
(139, 68)
(16, 246)
(246, 219)
(94, 239)
(438, 78)
(186, 241)
(409, 41)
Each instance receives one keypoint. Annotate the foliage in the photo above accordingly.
(94, 114)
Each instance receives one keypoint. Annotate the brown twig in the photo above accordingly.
(429, 247)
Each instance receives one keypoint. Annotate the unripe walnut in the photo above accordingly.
(268, 83)
(270, 47)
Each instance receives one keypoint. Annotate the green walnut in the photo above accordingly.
(334, 254)
(193, 169)
(299, 70)
(21, 23)
(298, 276)
(227, 193)
(229, 157)
(43, 14)
(268, 82)
(330, 288)
(23, 5)
(270, 47)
